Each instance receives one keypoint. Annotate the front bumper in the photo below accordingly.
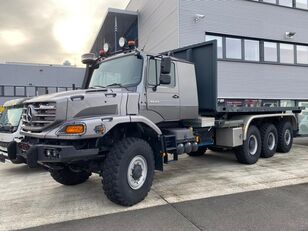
(42, 153)
(3, 156)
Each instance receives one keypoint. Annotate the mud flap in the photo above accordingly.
(12, 150)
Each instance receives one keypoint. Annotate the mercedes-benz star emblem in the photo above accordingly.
(29, 113)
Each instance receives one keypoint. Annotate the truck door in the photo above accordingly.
(164, 99)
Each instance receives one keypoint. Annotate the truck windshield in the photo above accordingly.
(120, 72)
(10, 119)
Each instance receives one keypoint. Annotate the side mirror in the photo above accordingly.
(165, 65)
(88, 58)
(165, 79)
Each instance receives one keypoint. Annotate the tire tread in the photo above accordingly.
(110, 181)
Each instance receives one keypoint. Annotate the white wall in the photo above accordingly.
(158, 24)
(240, 17)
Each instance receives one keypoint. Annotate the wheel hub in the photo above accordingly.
(271, 141)
(287, 137)
(137, 172)
(253, 145)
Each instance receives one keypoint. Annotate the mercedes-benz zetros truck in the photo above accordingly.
(137, 110)
(10, 126)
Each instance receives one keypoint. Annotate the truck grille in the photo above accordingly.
(38, 116)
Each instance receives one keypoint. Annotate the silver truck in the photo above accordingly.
(10, 126)
(137, 111)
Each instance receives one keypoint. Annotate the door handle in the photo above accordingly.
(175, 96)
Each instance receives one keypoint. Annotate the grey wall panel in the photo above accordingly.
(14, 74)
(158, 24)
(240, 17)
(261, 81)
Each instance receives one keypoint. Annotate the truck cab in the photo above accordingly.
(10, 127)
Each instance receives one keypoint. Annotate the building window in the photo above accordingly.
(270, 1)
(219, 44)
(288, 3)
(286, 53)
(302, 54)
(252, 50)
(299, 4)
(233, 48)
(9, 91)
(270, 52)
(302, 4)
(20, 91)
(259, 50)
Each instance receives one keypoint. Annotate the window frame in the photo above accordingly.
(261, 49)
(294, 53)
(278, 3)
(173, 65)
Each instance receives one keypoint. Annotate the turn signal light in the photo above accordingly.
(131, 43)
(75, 129)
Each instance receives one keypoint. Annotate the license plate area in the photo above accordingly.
(24, 147)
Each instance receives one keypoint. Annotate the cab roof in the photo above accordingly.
(15, 102)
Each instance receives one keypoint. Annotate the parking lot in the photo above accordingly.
(29, 197)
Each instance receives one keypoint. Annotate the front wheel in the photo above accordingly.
(128, 171)
(67, 176)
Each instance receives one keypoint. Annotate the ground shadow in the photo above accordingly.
(21, 169)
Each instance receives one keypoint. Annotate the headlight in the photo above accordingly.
(73, 129)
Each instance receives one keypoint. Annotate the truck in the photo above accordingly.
(10, 126)
(138, 111)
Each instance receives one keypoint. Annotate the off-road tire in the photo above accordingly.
(115, 170)
(282, 127)
(66, 176)
(200, 152)
(266, 130)
(242, 153)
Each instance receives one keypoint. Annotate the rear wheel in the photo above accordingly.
(67, 176)
(269, 136)
(128, 171)
(285, 137)
(250, 151)
(200, 152)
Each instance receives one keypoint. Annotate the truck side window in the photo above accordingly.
(154, 73)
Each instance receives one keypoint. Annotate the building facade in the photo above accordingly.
(262, 44)
(20, 80)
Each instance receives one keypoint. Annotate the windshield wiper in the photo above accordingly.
(117, 84)
(97, 86)
(114, 84)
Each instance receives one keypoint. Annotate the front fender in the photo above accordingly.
(92, 123)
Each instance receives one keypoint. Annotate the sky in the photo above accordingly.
(50, 31)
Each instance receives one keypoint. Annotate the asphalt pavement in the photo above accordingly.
(212, 192)
(284, 209)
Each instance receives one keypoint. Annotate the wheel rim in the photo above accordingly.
(137, 172)
(271, 142)
(287, 137)
(253, 145)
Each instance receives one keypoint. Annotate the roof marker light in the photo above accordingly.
(122, 42)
